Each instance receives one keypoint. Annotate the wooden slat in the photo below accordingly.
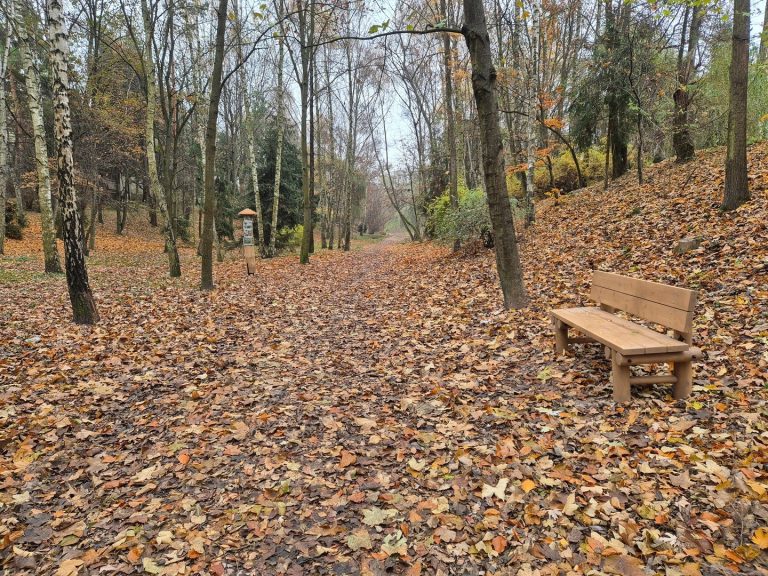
(680, 298)
(618, 334)
(671, 317)
(655, 379)
(685, 356)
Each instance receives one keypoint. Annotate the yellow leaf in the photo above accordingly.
(69, 567)
(528, 485)
(761, 538)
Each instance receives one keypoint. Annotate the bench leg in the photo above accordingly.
(622, 391)
(684, 373)
(561, 337)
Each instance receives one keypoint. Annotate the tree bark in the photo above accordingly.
(156, 189)
(32, 80)
(280, 138)
(453, 174)
(762, 56)
(736, 186)
(306, 33)
(484, 88)
(4, 166)
(682, 140)
(209, 190)
(80, 295)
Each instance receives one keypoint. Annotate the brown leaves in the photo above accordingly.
(379, 412)
(624, 565)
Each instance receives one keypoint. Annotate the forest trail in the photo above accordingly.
(378, 412)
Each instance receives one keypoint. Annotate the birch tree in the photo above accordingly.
(32, 82)
(83, 305)
(280, 95)
(5, 42)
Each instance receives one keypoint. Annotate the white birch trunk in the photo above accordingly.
(279, 145)
(32, 81)
(4, 168)
(533, 98)
(83, 305)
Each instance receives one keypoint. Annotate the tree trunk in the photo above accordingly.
(532, 115)
(32, 80)
(484, 88)
(453, 174)
(682, 140)
(763, 54)
(306, 32)
(13, 141)
(280, 139)
(209, 191)
(736, 185)
(174, 265)
(4, 166)
(83, 305)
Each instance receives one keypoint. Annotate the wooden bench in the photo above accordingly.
(627, 343)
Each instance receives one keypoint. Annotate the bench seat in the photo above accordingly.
(623, 336)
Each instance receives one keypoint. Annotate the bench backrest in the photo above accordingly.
(668, 306)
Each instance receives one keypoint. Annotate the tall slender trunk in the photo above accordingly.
(682, 140)
(80, 295)
(209, 191)
(736, 185)
(762, 55)
(349, 164)
(484, 88)
(156, 189)
(532, 115)
(255, 180)
(13, 141)
(32, 80)
(4, 166)
(306, 34)
(453, 174)
(280, 138)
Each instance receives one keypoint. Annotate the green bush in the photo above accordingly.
(289, 238)
(469, 222)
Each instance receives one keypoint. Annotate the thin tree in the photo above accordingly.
(736, 186)
(80, 295)
(763, 54)
(174, 265)
(280, 120)
(209, 190)
(5, 43)
(450, 120)
(682, 140)
(32, 81)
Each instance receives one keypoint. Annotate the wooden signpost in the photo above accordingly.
(249, 249)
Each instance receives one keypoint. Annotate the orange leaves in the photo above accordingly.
(347, 459)
(554, 123)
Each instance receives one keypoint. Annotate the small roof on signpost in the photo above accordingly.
(246, 212)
